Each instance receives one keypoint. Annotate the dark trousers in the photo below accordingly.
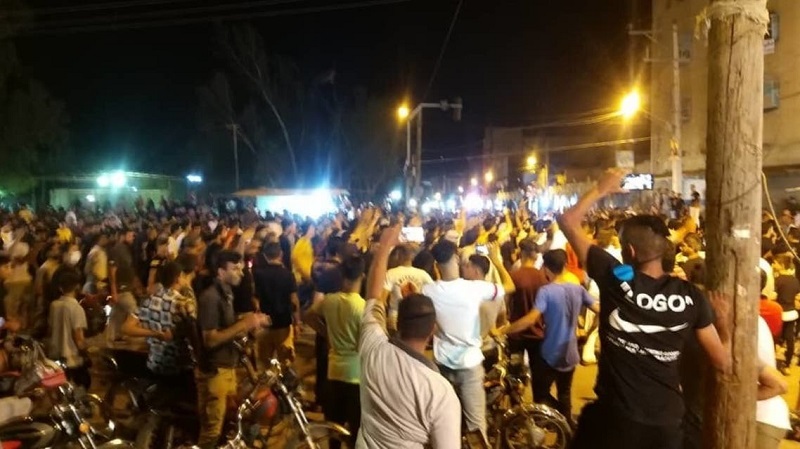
(321, 354)
(79, 376)
(543, 381)
(530, 346)
(344, 407)
(788, 338)
(600, 427)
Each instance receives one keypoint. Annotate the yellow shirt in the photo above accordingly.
(343, 313)
(302, 259)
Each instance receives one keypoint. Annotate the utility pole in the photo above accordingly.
(675, 141)
(674, 124)
(733, 170)
(235, 131)
(418, 157)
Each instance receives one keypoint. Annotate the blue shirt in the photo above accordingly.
(560, 305)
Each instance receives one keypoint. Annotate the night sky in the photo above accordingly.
(132, 94)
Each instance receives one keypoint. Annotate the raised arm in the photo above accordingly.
(570, 220)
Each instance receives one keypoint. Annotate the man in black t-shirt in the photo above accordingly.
(787, 287)
(276, 290)
(646, 317)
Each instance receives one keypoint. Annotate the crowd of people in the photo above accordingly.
(189, 279)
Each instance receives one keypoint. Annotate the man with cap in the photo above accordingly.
(406, 403)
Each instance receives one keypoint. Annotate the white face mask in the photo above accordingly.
(72, 258)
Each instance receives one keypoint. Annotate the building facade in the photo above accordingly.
(781, 142)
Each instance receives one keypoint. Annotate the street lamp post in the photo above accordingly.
(403, 113)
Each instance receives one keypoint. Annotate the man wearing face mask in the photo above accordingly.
(646, 318)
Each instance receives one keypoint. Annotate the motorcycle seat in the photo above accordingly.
(13, 408)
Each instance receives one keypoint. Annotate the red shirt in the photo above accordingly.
(772, 312)
(527, 281)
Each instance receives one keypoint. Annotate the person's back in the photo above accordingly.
(342, 312)
(560, 304)
(66, 315)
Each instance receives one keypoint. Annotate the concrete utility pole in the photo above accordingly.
(675, 142)
(235, 131)
(733, 170)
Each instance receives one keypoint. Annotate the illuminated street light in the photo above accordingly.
(630, 105)
(194, 179)
(402, 112)
(437, 196)
(488, 177)
(460, 189)
(531, 161)
(474, 182)
(395, 195)
(412, 202)
(102, 180)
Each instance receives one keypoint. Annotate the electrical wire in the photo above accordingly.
(213, 18)
(161, 14)
(442, 49)
(765, 187)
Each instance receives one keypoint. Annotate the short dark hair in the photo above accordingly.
(528, 247)
(416, 317)
(555, 260)
(353, 268)
(187, 262)
(305, 227)
(272, 250)
(480, 261)
(763, 279)
(402, 253)
(169, 273)
(69, 280)
(489, 223)
(286, 223)
(444, 251)
(647, 234)
(225, 257)
(334, 246)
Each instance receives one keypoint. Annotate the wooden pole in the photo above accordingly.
(733, 170)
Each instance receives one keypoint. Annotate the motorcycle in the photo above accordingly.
(265, 402)
(512, 422)
(75, 418)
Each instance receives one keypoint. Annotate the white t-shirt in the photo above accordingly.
(396, 279)
(457, 342)
(772, 411)
(769, 288)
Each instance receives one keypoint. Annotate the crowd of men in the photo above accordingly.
(190, 279)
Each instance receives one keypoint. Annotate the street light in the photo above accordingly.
(488, 177)
(437, 196)
(474, 182)
(194, 179)
(403, 112)
(460, 189)
(531, 161)
(630, 105)
(395, 195)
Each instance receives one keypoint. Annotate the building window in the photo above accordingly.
(771, 36)
(772, 93)
(686, 109)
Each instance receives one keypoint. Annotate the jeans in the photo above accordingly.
(468, 384)
(212, 396)
(543, 381)
(344, 408)
(768, 437)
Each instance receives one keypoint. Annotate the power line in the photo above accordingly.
(159, 14)
(443, 48)
(557, 149)
(212, 18)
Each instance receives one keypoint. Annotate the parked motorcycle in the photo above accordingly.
(514, 423)
(266, 401)
(75, 418)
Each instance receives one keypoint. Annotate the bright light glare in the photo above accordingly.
(313, 204)
(473, 202)
(460, 189)
(402, 112)
(412, 202)
(437, 196)
(90, 198)
(474, 182)
(630, 105)
(531, 161)
(195, 179)
(117, 179)
(102, 180)
(395, 195)
(451, 204)
(489, 177)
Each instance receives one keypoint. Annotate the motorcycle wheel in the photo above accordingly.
(536, 430)
(95, 413)
(322, 434)
(155, 433)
